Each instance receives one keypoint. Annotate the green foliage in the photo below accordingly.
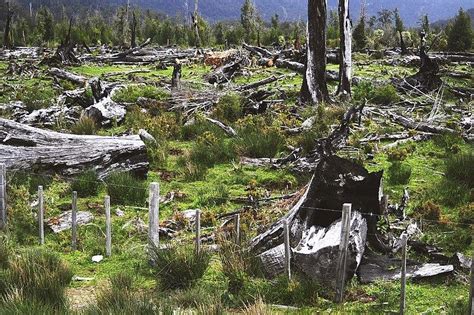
(359, 35)
(460, 32)
(460, 168)
(163, 126)
(20, 215)
(86, 184)
(84, 126)
(198, 126)
(125, 189)
(178, 267)
(229, 108)
(466, 214)
(257, 139)
(319, 129)
(428, 210)
(363, 91)
(399, 173)
(37, 275)
(208, 150)
(131, 94)
(385, 95)
(36, 98)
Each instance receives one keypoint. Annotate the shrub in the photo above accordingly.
(363, 91)
(36, 98)
(21, 215)
(86, 184)
(197, 127)
(84, 126)
(428, 210)
(460, 168)
(449, 142)
(397, 154)
(178, 267)
(385, 95)
(299, 292)
(399, 173)
(163, 126)
(319, 129)
(31, 182)
(466, 214)
(257, 139)
(229, 108)
(131, 94)
(38, 275)
(123, 188)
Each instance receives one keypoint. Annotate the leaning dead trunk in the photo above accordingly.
(26, 148)
(195, 18)
(402, 44)
(345, 60)
(314, 88)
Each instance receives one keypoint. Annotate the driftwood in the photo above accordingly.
(27, 148)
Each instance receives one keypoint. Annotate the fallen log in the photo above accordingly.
(27, 148)
(260, 83)
(65, 75)
(130, 51)
(225, 73)
(227, 129)
(259, 51)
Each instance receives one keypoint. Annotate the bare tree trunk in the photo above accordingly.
(314, 88)
(133, 42)
(195, 17)
(402, 44)
(68, 36)
(6, 36)
(345, 60)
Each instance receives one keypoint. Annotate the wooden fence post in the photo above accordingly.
(471, 294)
(108, 228)
(41, 214)
(403, 278)
(286, 238)
(74, 220)
(237, 228)
(198, 232)
(341, 262)
(3, 196)
(153, 215)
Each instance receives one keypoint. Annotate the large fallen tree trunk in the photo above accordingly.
(27, 148)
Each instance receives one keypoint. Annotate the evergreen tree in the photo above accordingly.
(460, 33)
(249, 19)
(399, 28)
(425, 24)
(359, 35)
(45, 24)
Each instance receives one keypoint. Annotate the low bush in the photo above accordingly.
(363, 91)
(229, 108)
(297, 292)
(320, 129)
(451, 143)
(21, 215)
(39, 276)
(84, 126)
(385, 95)
(163, 126)
(428, 210)
(399, 173)
(86, 184)
(125, 189)
(36, 98)
(30, 181)
(466, 214)
(131, 94)
(460, 168)
(258, 139)
(198, 126)
(178, 267)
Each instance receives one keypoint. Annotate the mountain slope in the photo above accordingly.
(214, 10)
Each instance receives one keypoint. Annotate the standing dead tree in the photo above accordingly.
(314, 88)
(195, 18)
(345, 60)
(6, 36)
(133, 30)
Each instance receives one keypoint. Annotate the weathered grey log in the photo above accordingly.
(23, 147)
(63, 222)
(260, 83)
(376, 267)
(132, 50)
(420, 126)
(107, 111)
(259, 51)
(225, 73)
(66, 75)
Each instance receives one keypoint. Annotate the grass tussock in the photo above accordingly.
(86, 184)
(179, 267)
(84, 126)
